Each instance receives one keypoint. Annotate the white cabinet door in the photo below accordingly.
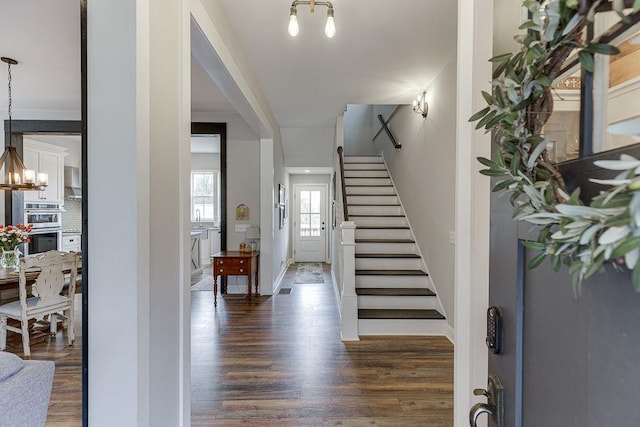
(205, 250)
(49, 163)
(45, 158)
(214, 240)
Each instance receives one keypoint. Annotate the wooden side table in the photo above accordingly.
(235, 263)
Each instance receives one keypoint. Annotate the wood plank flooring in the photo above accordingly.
(279, 361)
(65, 406)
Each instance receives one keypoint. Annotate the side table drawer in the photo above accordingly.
(230, 270)
(231, 266)
(229, 262)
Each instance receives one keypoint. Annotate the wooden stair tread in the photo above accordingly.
(373, 204)
(399, 314)
(395, 292)
(390, 273)
(365, 255)
(383, 227)
(384, 241)
(377, 215)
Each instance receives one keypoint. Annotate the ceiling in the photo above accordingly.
(384, 52)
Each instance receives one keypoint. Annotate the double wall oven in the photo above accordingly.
(46, 219)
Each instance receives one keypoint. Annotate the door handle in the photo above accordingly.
(477, 410)
(495, 402)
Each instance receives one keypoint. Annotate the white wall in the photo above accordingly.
(138, 168)
(308, 147)
(204, 161)
(243, 171)
(424, 174)
(281, 242)
(358, 130)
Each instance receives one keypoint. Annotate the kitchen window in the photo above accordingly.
(205, 196)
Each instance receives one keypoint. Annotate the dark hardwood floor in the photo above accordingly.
(280, 361)
(65, 407)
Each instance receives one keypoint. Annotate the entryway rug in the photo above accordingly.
(309, 272)
(206, 284)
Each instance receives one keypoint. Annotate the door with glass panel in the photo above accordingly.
(310, 223)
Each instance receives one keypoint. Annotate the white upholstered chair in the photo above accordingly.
(48, 296)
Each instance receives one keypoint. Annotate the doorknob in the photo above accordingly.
(495, 402)
(476, 411)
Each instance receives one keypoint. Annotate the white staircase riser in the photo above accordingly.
(375, 210)
(359, 173)
(378, 220)
(401, 327)
(373, 200)
(364, 166)
(383, 233)
(386, 248)
(363, 159)
(404, 302)
(391, 281)
(376, 191)
(368, 181)
(388, 264)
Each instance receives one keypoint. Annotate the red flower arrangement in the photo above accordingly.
(12, 236)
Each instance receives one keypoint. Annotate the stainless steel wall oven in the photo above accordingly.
(46, 219)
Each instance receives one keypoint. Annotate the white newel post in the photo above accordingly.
(349, 297)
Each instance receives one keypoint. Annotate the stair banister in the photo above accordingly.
(344, 189)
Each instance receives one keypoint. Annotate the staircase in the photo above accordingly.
(395, 295)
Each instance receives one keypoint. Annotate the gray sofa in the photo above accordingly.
(25, 389)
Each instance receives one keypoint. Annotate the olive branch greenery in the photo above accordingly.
(581, 237)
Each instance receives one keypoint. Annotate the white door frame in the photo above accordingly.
(475, 43)
(327, 219)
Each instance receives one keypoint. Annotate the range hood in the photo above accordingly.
(72, 183)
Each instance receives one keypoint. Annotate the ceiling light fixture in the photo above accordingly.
(294, 29)
(16, 175)
(420, 105)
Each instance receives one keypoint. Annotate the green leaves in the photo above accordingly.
(602, 48)
(583, 238)
(586, 59)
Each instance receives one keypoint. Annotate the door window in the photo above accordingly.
(310, 213)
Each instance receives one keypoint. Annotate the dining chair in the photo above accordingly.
(48, 296)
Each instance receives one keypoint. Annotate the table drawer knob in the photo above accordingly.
(221, 270)
(241, 270)
(221, 262)
(241, 261)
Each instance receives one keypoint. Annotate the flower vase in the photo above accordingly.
(10, 259)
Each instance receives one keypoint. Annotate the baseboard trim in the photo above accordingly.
(336, 290)
(450, 333)
(278, 281)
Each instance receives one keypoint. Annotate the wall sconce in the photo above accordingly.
(294, 29)
(420, 105)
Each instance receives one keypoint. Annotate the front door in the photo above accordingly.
(567, 359)
(310, 223)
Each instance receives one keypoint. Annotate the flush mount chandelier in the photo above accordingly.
(294, 29)
(16, 175)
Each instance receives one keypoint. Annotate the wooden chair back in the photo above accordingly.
(49, 284)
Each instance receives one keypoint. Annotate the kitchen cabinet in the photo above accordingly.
(205, 249)
(71, 242)
(49, 159)
(214, 240)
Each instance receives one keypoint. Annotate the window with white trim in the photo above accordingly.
(205, 195)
